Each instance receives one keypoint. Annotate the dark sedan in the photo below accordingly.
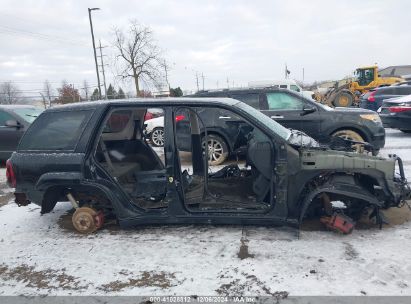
(396, 113)
(14, 121)
(373, 99)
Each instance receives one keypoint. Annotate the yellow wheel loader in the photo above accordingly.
(348, 94)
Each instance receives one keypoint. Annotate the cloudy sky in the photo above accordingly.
(236, 40)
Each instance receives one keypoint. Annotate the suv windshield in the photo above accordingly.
(273, 125)
(28, 114)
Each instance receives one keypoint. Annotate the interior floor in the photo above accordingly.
(232, 192)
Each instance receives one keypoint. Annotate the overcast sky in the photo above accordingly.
(239, 40)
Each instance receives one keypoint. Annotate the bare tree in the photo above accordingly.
(9, 93)
(86, 89)
(48, 93)
(140, 58)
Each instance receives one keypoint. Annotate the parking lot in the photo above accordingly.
(42, 255)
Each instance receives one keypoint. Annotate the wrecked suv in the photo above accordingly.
(96, 156)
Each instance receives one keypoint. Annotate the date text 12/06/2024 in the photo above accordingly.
(203, 299)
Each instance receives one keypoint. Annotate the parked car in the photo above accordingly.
(373, 99)
(396, 113)
(297, 112)
(152, 113)
(155, 130)
(92, 156)
(14, 121)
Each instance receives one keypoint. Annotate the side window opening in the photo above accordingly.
(283, 101)
(126, 152)
(293, 87)
(242, 181)
(56, 131)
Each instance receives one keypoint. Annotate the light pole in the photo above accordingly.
(94, 49)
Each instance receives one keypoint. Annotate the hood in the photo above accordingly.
(353, 110)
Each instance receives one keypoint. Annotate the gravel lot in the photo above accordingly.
(41, 255)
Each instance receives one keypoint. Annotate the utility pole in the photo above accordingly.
(303, 75)
(85, 88)
(198, 85)
(202, 76)
(102, 68)
(94, 49)
(73, 96)
(166, 72)
(228, 83)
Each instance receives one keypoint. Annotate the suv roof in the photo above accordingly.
(150, 102)
(238, 90)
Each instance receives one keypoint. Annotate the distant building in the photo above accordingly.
(162, 90)
(396, 71)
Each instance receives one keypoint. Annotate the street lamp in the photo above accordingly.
(94, 48)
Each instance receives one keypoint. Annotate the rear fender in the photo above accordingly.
(48, 180)
(54, 184)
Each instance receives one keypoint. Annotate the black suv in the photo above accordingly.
(96, 156)
(373, 99)
(300, 113)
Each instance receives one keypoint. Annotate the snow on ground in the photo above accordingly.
(39, 255)
(2, 175)
(4, 190)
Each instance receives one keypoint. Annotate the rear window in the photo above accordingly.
(55, 131)
(385, 91)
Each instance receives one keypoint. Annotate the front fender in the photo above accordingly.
(342, 185)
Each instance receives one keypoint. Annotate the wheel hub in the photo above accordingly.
(344, 101)
(214, 150)
(158, 137)
(87, 220)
